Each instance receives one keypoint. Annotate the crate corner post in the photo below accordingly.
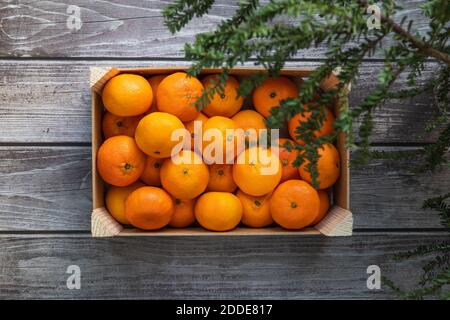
(103, 225)
(98, 76)
(337, 223)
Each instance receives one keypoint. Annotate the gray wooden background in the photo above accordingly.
(45, 175)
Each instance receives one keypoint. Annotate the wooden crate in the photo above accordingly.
(338, 221)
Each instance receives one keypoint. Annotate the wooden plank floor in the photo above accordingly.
(45, 177)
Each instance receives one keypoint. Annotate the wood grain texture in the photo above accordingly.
(49, 188)
(45, 188)
(198, 268)
(120, 28)
(49, 101)
(388, 194)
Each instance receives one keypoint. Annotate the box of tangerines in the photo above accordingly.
(161, 166)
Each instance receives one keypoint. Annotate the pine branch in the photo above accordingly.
(252, 33)
(434, 267)
(440, 247)
(217, 87)
(422, 46)
(436, 273)
(391, 285)
(177, 15)
(386, 78)
(435, 154)
(419, 44)
(437, 283)
(440, 205)
(442, 85)
(412, 92)
(394, 155)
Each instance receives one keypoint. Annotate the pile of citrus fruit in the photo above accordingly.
(155, 181)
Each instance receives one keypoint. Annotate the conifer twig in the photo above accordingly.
(416, 42)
